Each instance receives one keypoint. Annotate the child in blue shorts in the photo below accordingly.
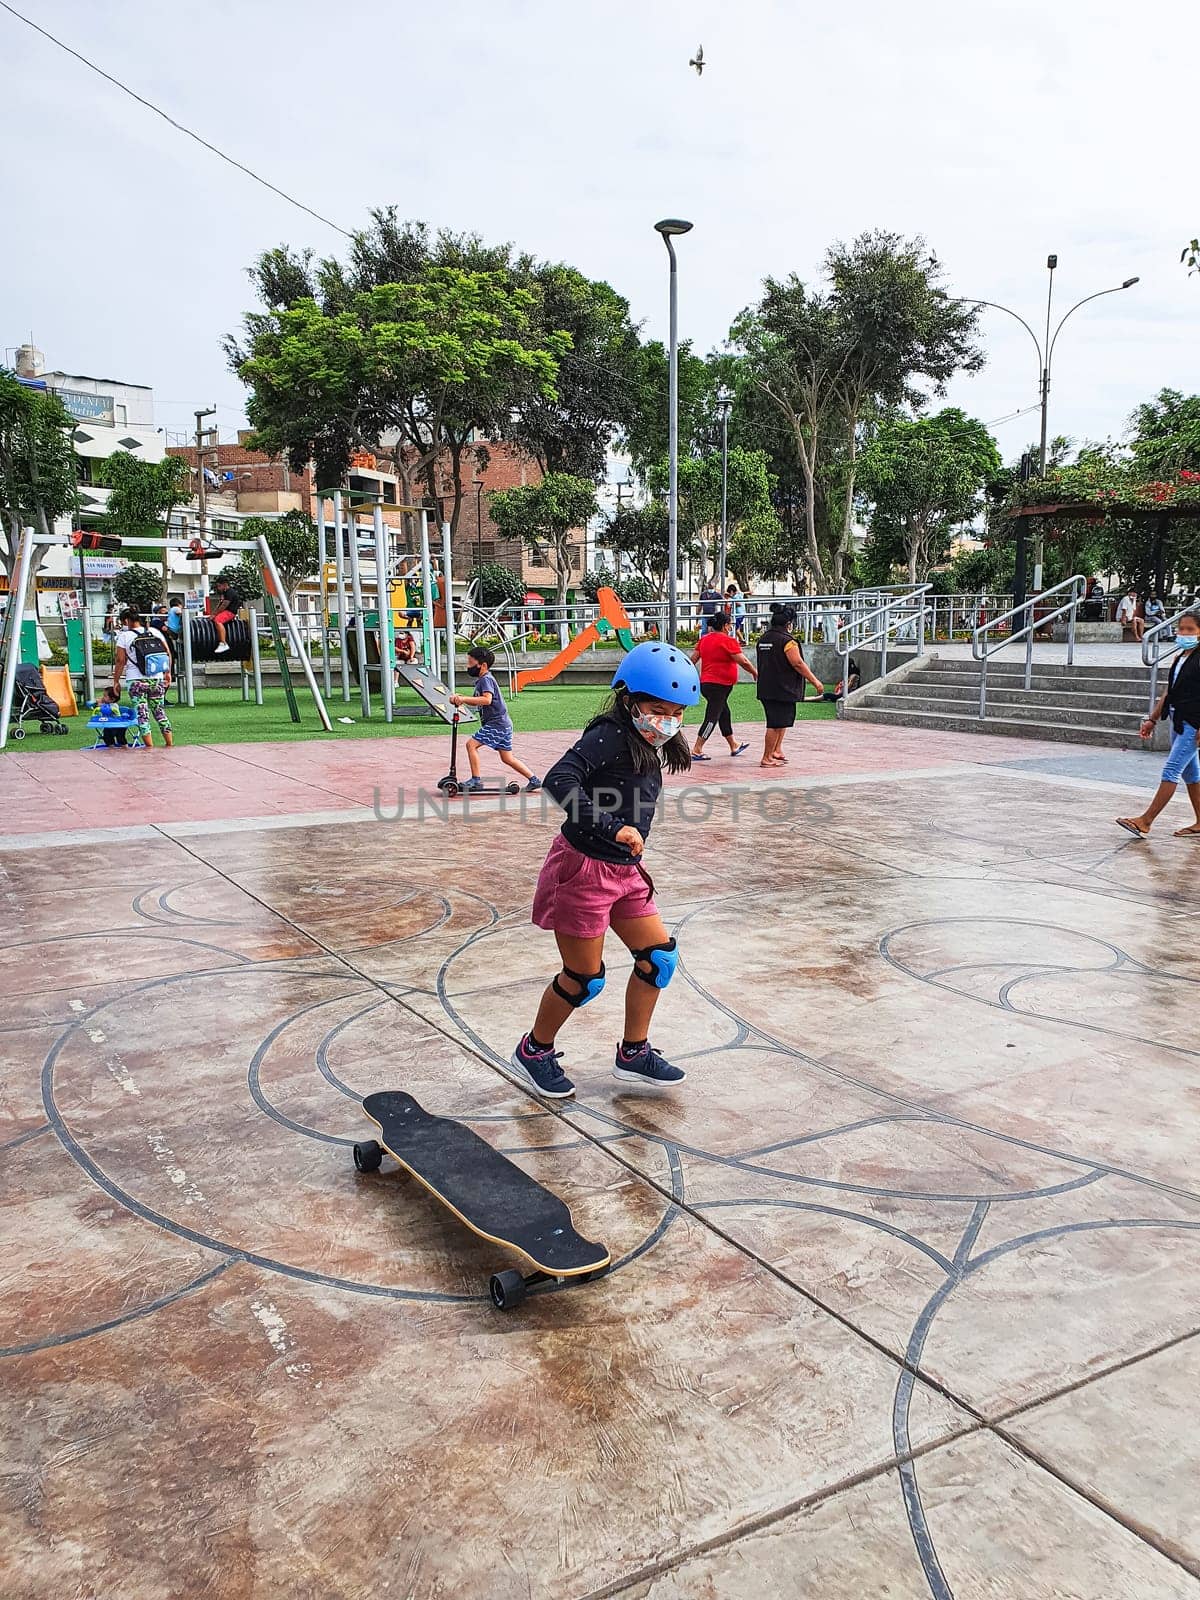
(495, 724)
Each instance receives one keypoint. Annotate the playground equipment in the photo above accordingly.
(366, 636)
(612, 618)
(275, 598)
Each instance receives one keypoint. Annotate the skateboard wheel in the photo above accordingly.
(507, 1290)
(512, 788)
(368, 1157)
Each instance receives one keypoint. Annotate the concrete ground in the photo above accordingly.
(906, 1288)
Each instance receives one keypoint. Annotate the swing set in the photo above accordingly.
(276, 603)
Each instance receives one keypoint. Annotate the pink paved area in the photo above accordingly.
(79, 789)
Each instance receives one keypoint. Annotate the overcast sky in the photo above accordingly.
(998, 131)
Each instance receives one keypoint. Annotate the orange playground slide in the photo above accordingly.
(612, 616)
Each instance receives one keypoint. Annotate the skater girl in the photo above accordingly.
(495, 724)
(1182, 699)
(594, 879)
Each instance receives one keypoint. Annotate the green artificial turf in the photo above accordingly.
(220, 716)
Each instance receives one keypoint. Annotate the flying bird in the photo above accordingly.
(697, 60)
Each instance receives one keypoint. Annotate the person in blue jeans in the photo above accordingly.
(495, 724)
(1182, 699)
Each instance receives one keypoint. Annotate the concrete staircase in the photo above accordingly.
(1087, 705)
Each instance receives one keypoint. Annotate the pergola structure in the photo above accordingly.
(1158, 518)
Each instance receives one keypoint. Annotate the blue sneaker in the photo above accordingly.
(541, 1071)
(647, 1067)
(473, 786)
(533, 786)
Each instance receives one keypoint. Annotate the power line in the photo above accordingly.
(159, 112)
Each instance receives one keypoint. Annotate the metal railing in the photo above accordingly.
(901, 614)
(1033, 620)
(1154, 647)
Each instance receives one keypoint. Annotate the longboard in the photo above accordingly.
(488, 1194)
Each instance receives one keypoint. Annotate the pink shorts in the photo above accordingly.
(580, 897)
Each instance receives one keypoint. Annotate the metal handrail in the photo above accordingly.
(901, 602)
(1078, 587)
(1157, 636)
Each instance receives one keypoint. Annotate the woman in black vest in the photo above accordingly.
(782, 674)
(1181, 699)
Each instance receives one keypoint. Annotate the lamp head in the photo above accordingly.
(1129, 283)
(670, 225)
(724, 402)
(1052, 262)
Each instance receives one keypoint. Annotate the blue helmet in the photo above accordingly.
(661, 671)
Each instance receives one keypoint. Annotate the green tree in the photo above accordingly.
(1164, 434)
(925, 478)
(142, 496)
(877, 336)
(641, 534)
(544, 516)
(498, 585)
(137, 586)
(292, 541)
(565, 429)
(430, 362)
(646, 435)
(757, 551)
(37, 464)
(749, 498)
(569, 431)
(633, 590)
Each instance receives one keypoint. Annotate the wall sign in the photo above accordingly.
(88, 407)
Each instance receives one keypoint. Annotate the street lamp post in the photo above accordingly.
(669, 227)
(1045, 354)
(724, 407)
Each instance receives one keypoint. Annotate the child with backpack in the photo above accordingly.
(142, 665)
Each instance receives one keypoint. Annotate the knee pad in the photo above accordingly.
(590, 985)
(662, 960)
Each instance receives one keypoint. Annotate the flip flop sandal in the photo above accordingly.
(1187, 833)
(740, 751)
(1129, 828)
(701, 758)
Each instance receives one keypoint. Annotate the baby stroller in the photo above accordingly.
(32, 703)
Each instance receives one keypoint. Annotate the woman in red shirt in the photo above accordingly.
(719, 656)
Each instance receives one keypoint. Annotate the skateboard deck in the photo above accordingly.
(495, 1199)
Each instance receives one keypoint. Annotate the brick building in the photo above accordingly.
(249, 480)
(254, 484)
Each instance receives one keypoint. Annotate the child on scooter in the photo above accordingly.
(495, 724)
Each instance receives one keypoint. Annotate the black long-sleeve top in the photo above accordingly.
(599, 788)
(1183, 690)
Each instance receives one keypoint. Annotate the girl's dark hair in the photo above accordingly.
(783, 616)
(481, 653)
(675, 755)
(719, 619)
